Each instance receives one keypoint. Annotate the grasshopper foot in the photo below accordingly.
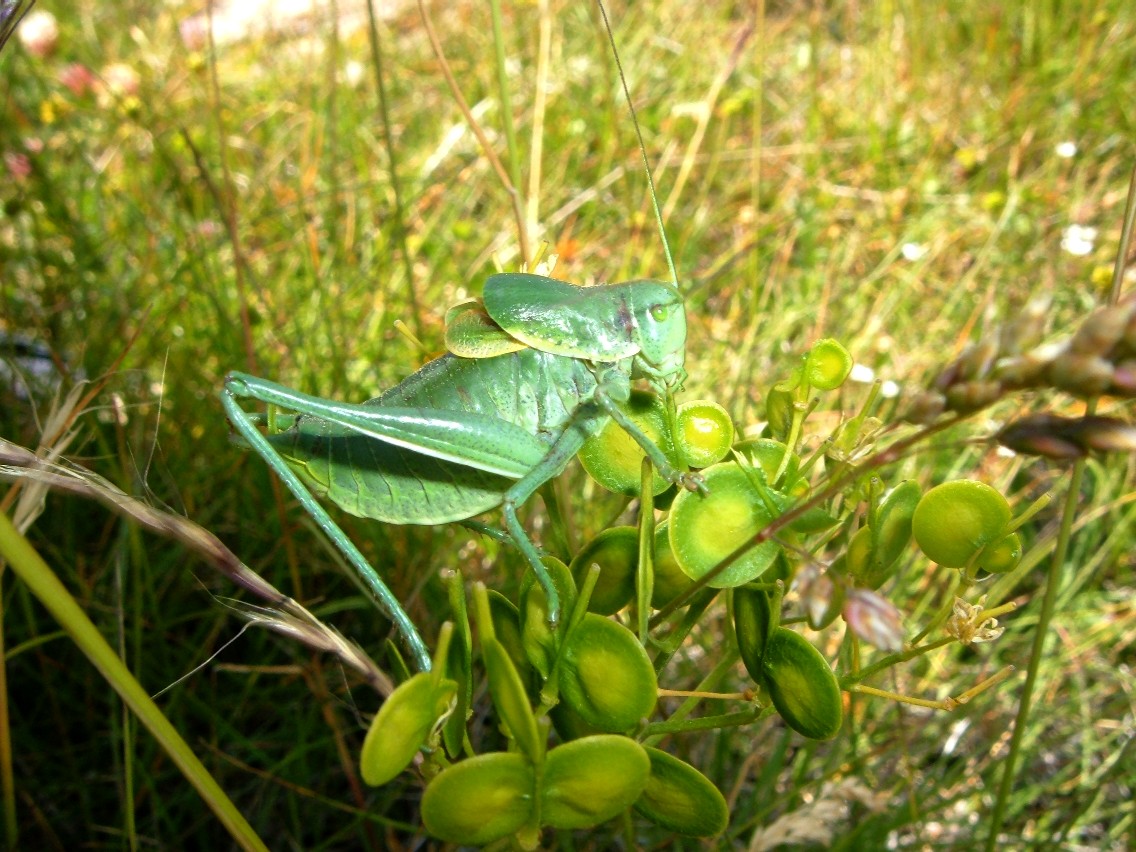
(692, 482)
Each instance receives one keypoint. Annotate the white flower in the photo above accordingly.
(1066, 150)
(912, 251)
(39, 34)
(1078, 240)
(353, 73)
(970, 624)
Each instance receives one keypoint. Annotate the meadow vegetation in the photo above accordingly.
(902, 176)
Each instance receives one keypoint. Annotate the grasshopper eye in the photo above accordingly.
(660, 312)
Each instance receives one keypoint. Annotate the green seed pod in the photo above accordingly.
(539, 640)
(827, 364)
(955, 520)
(616, 552)
(705, 528)
(590, 780)
(481, 799)
(459, 667)
(511, 699)
(753, 622)
(402, 726)
(704, 433)
(765, 455)
(670, 581)
(681, 799)
(802, 686)
(779, 412)
(873, 553)
(614, 459)
(1002, 556)
(507, 628)
(606, 676)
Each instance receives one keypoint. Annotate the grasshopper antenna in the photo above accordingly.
(642, 146)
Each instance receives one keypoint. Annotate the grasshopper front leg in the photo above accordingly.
(606, 397)
(557, 458)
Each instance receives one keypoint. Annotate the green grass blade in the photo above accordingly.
(30, 567)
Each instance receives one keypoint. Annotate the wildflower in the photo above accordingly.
(39, 34)
(820, 596)
(121, 81)
(194, 32)
(969, 625)
(78, 78)
(18, 165)
(353, 73)
(913, 251)
(1066, 150)
(1078, 240)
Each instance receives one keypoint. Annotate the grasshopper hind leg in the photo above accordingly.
(239, 386)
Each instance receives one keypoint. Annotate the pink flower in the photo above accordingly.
(121, 80)
(18, 165)
(874, 619)
(78, 78)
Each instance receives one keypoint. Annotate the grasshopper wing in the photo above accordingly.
(591, 323)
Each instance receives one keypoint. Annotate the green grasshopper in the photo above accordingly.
(533, 369)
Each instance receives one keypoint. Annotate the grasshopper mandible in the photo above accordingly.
(533, 369)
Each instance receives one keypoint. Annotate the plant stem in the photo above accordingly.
(392, 162)
(506, 99)
(1041, 633)
(1059, 553)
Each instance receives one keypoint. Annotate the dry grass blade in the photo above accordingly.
(287, 616)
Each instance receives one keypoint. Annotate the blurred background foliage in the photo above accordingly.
(899, 175)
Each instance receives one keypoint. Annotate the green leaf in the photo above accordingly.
(590, 780)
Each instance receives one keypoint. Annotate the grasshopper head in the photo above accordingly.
(660, 328)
